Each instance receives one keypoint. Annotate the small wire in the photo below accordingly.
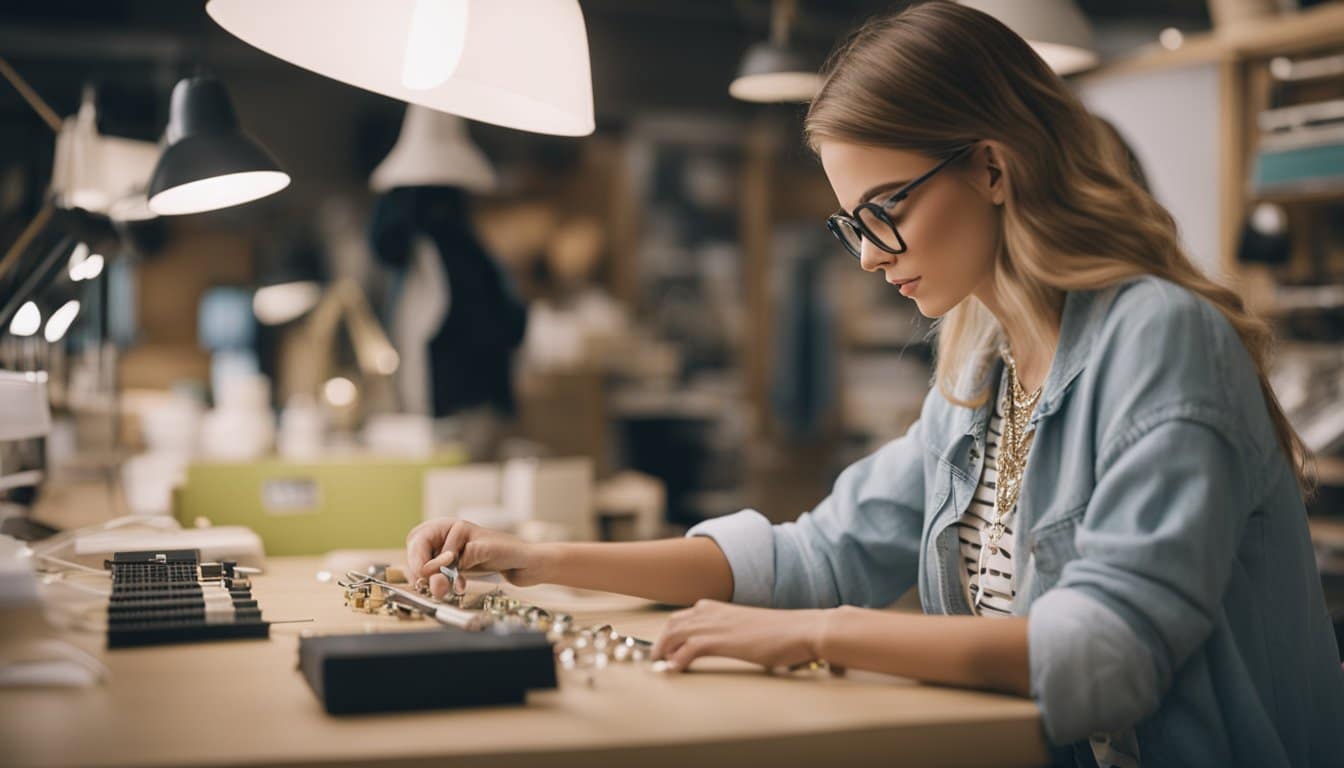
(69, 564)
(58, 581)
(64, 538)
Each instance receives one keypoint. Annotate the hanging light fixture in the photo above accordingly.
(1056, 30)
(291, 281)
(774, 71)
(61, 320)
(101, 174)
(434, 149)
(517, 63)
(27, 320)
(209, 163)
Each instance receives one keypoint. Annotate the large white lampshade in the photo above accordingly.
(1056, 29)
(517, 63)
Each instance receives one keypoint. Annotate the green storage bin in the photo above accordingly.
(308, 508)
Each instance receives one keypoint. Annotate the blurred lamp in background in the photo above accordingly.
(433, 150)
(1056, 29)
(290, 284)
(516, 63)
(282, 302)
(309, 353)
(773, 71)
(101, 174)
(209, 163)
(61, 320)
(84, 265)
(27, 320)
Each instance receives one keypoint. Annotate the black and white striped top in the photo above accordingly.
(996, 577)
(995, 574)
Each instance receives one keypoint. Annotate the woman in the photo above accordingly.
(1102, 467)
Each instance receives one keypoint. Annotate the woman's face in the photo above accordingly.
(950, 223)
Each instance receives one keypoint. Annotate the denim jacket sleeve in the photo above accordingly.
(1157, 537)
(859, 546)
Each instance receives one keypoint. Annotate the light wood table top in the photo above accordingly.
(245, 703)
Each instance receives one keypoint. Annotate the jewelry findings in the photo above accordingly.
(576, 648)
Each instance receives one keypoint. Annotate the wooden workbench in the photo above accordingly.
(245, 703)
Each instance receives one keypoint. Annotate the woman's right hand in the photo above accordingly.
(469, 547)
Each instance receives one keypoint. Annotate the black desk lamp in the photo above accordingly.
(209, 163)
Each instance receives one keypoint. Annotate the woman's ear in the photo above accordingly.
(991, 179)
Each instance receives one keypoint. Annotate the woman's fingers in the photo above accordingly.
(438, 585)
(671, 636)
(419, 547)
(473, 554)
(687, 652)
(449, 550)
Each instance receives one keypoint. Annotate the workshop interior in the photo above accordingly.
(283, 280)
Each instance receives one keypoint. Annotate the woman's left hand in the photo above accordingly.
(765, 636)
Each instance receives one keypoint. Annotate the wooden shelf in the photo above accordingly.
(1306, 197)
(1290, 33)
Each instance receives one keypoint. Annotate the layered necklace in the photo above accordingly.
(1012, 458)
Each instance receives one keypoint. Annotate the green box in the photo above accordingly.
(308, 508)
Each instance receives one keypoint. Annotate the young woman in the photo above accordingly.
(1102, 502)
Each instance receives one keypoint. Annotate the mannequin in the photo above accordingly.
(457, 319)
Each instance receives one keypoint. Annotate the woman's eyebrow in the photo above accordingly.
(879, 189)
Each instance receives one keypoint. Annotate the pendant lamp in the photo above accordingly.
(516, 63)
(774, 71)
(433, 150)
(209, 163)
(1056, 29)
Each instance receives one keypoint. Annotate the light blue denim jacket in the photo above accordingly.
(1169, 581)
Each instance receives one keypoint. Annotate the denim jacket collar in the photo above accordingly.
(1080, 322)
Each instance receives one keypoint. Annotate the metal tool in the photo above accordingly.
(451, 572)
(444, 614)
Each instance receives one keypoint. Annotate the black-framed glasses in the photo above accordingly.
(871, 221)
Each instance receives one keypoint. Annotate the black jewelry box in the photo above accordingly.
(438, 669)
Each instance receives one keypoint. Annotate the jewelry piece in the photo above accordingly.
(577, 648)
(1012, 458)
(1011, 463)
(361, 595)
(372, 597)
(816, 667)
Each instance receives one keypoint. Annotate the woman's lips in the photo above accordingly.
(908, 287)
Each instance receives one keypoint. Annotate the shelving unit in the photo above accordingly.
(1233, 66)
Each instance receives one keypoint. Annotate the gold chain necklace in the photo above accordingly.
(1012, 458)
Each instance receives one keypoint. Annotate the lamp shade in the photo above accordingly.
(772, 72)
(98, 173)
(433, 150)
(61, 320)
(1056, 29)
(517, 63)
(291, 280)
(27, 320)
(208, 162)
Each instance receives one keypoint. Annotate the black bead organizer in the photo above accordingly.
(171, 597)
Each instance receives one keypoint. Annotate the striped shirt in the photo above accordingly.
(994, 574)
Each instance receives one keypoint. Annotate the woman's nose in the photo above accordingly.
(872, 258)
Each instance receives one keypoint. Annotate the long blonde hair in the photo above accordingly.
(938, 76)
